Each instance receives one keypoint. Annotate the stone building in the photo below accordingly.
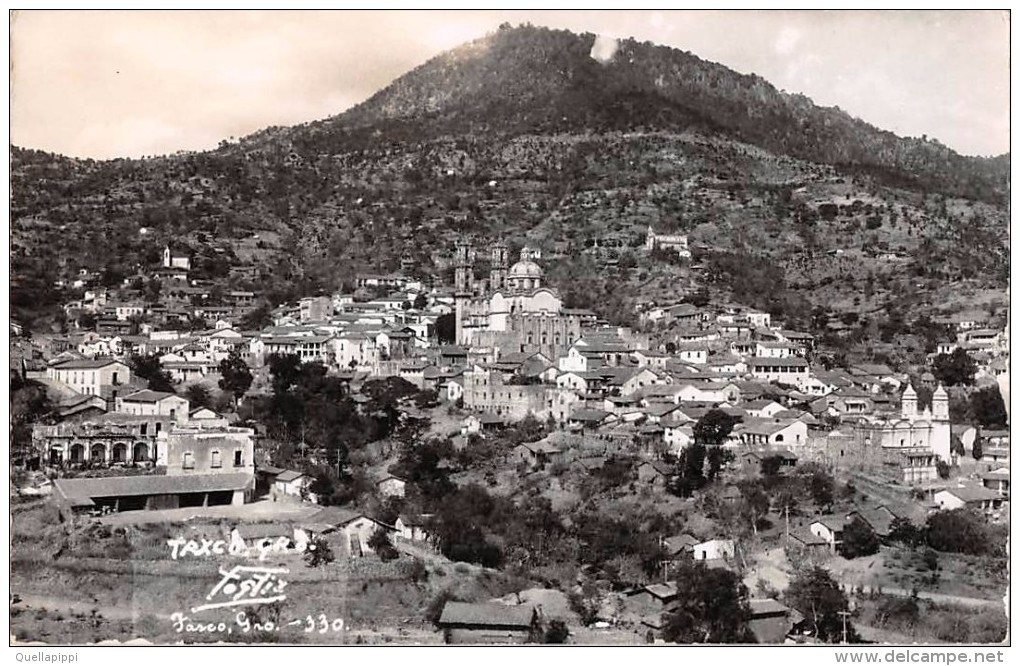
(513, 309)
(104, 440)
(916, 440)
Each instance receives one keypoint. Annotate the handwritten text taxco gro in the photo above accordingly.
(262, 548)
(245, 586)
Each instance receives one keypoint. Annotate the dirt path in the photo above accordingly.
(973, 602)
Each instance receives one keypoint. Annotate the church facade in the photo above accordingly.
(677, 242)
(915, 439)
(512, 310)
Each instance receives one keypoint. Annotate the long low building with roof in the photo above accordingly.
(468, 623)
(150, 492)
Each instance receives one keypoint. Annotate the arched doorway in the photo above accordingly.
(97, 453)
(120, 451)
(77, 453)
(141, 452)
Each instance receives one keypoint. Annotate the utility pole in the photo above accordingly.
(786, 510)
(664, 563)
(844, 615)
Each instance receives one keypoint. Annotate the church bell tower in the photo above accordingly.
(498, 272)
(462, 285)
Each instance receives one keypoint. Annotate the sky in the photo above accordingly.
(125, 83)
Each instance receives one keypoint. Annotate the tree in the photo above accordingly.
(816, 596)
(978, 450)
(446, 328)
(903, 531)
(959, 531)
(257, 319)
(954, 369)
(858, 539)
(988, 408)
(556, 632)
(943, 469)
(381, 544)
(426, 399)
(150, 369)
(285, 370)
(235, 375)
(711, 607)
(691, 471)
(770, 466)
(713, 428)
(198, 396)
(820, 485)
(699, 298)
(754, 504)
(30, 404)
(717, 457)
(87, 321)
(323, 486)
(319, 553)
(420, 302)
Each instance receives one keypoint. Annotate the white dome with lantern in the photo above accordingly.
(525, 275)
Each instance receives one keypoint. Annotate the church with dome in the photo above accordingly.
(915, 439)
(513, 309)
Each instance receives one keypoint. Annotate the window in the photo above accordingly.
(189, 460)
(217, 462)
(238, 458)
(145, 427)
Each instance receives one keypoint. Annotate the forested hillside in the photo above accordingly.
(523, 135)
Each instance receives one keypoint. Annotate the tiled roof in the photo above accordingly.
(974, 494)
(120, 486)
(334, 516)
(790, 362)
(148, 396)
(766, 607)
(487, 614)
(86, 364)
(288, 475)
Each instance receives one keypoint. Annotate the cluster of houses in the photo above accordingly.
(607, 382)
(599, 383)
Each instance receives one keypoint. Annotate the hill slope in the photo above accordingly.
(523, 135)
(544, 79)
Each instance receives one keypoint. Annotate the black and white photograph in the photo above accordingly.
(433, 327)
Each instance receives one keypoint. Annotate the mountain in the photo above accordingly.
(538, 79)
(524, 135)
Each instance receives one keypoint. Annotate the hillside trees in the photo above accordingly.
(955, 369)
(816, 596)
(962, 531)
(988, 408)
(713, 428)
(711, 607)
(236, 377)
(858, 539)
(150, 369)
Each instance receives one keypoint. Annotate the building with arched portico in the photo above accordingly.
(108, 439)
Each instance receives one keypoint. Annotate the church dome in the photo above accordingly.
(525, 269)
